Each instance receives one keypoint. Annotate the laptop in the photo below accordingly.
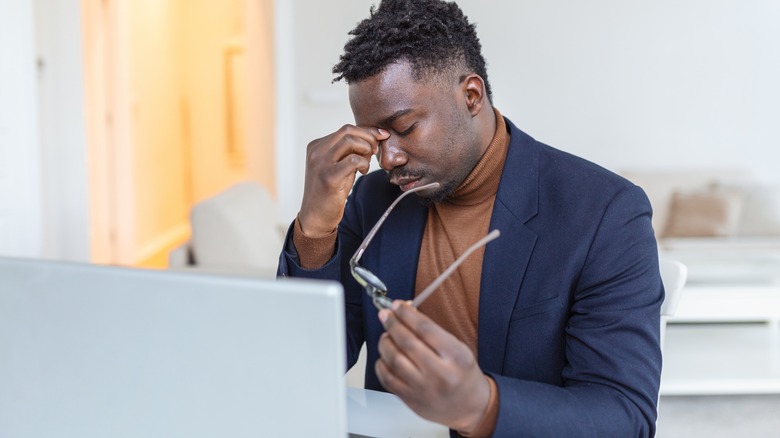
(96, 351)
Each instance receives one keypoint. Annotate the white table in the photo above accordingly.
(379, 414)
(734, 347)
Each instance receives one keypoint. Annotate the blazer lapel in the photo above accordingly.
(401, 237)
(506, 258)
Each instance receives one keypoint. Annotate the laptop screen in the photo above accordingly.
(90, 350)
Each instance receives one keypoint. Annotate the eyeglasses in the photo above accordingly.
(375, 288)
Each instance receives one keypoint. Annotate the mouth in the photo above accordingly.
(406, 183)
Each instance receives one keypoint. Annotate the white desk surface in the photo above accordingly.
(378, 414)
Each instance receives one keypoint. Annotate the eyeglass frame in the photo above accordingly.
(375, 288)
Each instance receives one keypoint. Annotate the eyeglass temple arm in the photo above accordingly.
(359, 253)
(436, 283)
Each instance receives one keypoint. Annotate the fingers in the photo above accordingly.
(331, 164)
(349, 151)
(403, 358)
(346, 151)
(438, 340)
(351, 163)
(407, 355)
(394, 370)
(356, 140)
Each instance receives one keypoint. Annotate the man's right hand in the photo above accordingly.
(331, 165)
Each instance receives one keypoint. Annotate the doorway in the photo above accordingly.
(177, 111)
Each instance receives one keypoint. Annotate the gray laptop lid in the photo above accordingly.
(89, 351)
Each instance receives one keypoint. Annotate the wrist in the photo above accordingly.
(477, 410)
(312, 229)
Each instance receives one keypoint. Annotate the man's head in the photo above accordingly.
(432, 35)
(415, 69)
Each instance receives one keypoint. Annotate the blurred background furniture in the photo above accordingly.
(724, 225)
(233, 232)
(721, 223)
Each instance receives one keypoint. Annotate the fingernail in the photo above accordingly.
(396, 304)
(383, 314)
(382, 131)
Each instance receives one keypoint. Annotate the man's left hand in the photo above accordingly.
(433, 372)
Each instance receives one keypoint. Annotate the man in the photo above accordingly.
(550, 330)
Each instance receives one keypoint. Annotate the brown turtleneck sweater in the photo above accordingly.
(452, 226)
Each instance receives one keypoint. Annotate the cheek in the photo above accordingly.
(441, 148)
(456, 147)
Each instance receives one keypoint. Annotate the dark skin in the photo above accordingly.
(421, 130)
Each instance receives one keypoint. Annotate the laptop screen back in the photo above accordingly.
(89, 351)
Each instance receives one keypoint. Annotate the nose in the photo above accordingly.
(391, 155)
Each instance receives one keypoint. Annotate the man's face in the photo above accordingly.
(432, 133)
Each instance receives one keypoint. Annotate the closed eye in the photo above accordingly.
(408, 130)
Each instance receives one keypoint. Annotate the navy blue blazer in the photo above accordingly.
(570, 296)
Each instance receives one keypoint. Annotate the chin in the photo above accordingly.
(439, 195)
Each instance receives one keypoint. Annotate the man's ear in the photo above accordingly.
(474, 89)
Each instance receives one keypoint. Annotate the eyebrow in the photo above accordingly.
(387, 121)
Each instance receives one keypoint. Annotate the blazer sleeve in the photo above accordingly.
(613, 357)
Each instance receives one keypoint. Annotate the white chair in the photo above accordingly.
(673, 276)
(233, 232)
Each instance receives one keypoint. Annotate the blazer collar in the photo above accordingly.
(401, 239)
(519, 187)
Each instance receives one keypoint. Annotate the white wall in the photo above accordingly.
(628, 84)
(310, 36)
(43, 188)
(62, 130)
(20, 173)
(640, 84)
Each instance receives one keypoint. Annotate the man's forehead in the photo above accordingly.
(394, 77)
(387, 95)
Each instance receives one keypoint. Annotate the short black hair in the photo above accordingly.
(432, 35)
